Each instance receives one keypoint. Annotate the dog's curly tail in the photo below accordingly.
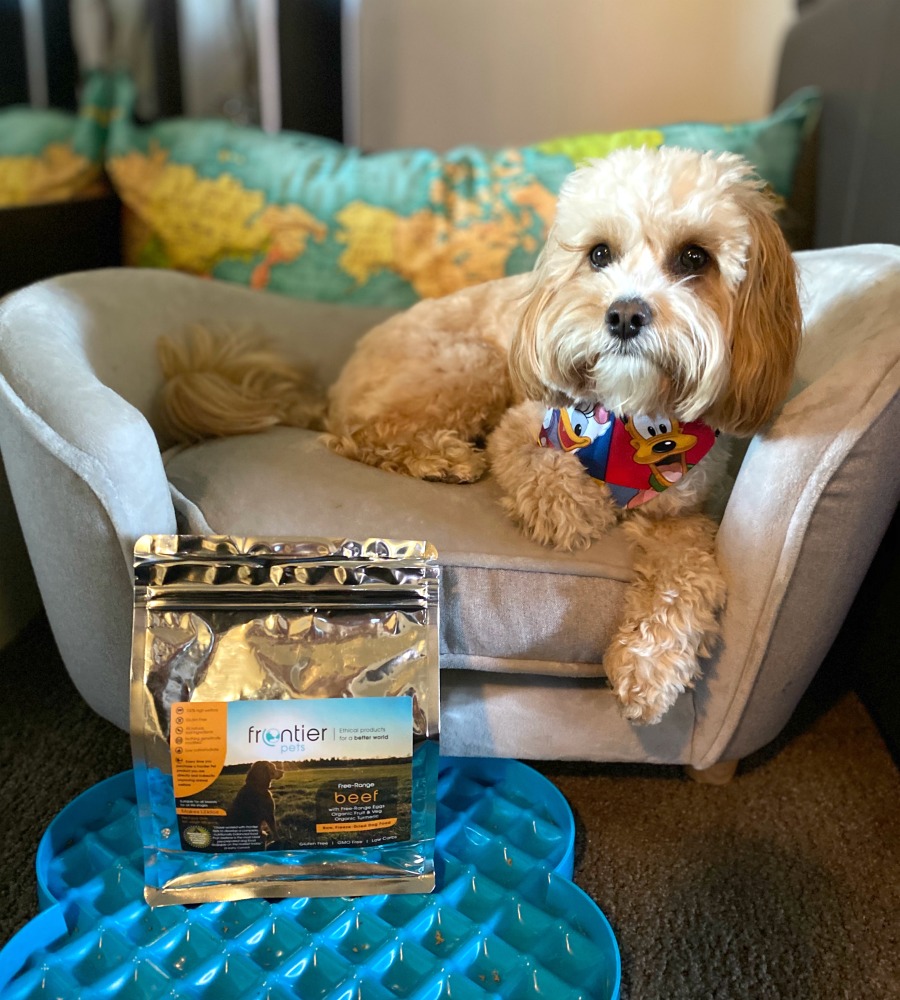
(226, 383)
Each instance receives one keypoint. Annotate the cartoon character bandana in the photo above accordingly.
(637, 457)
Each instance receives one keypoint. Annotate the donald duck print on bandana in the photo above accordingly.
(637, 457)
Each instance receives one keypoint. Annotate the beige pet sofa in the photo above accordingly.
(523, 628)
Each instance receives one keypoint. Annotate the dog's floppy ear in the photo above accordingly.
(766, 327)
(524, 366)
(258, 773)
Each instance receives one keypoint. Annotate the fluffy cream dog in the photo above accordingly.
(665, 288)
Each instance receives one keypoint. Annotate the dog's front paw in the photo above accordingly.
(546, 491)
(564, 518)
(671, 615)
(646, 679)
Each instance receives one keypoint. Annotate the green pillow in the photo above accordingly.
(48, 155)
(316, 220)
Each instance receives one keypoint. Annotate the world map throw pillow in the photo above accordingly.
(48, 155)
(313, 219)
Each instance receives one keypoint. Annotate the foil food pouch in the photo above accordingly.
(285, 716)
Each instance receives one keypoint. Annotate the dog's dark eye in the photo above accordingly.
(600, 256)
(663, 429)
(692, 259)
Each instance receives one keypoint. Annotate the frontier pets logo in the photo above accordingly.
(336, 728)
(291, 739)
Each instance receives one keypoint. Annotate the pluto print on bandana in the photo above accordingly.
(637, 457)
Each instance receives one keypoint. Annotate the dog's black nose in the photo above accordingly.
(625, 318)
(662, 447)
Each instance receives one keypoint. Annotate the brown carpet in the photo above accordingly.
(784, 884)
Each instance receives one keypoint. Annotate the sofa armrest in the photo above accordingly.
(87, 478)
(56, 402)
(811, 502)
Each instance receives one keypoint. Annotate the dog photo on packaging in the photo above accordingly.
(254, 805)
(661, 318)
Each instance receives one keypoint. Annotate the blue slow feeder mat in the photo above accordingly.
(504, 921)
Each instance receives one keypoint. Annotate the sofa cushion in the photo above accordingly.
(508, 604)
